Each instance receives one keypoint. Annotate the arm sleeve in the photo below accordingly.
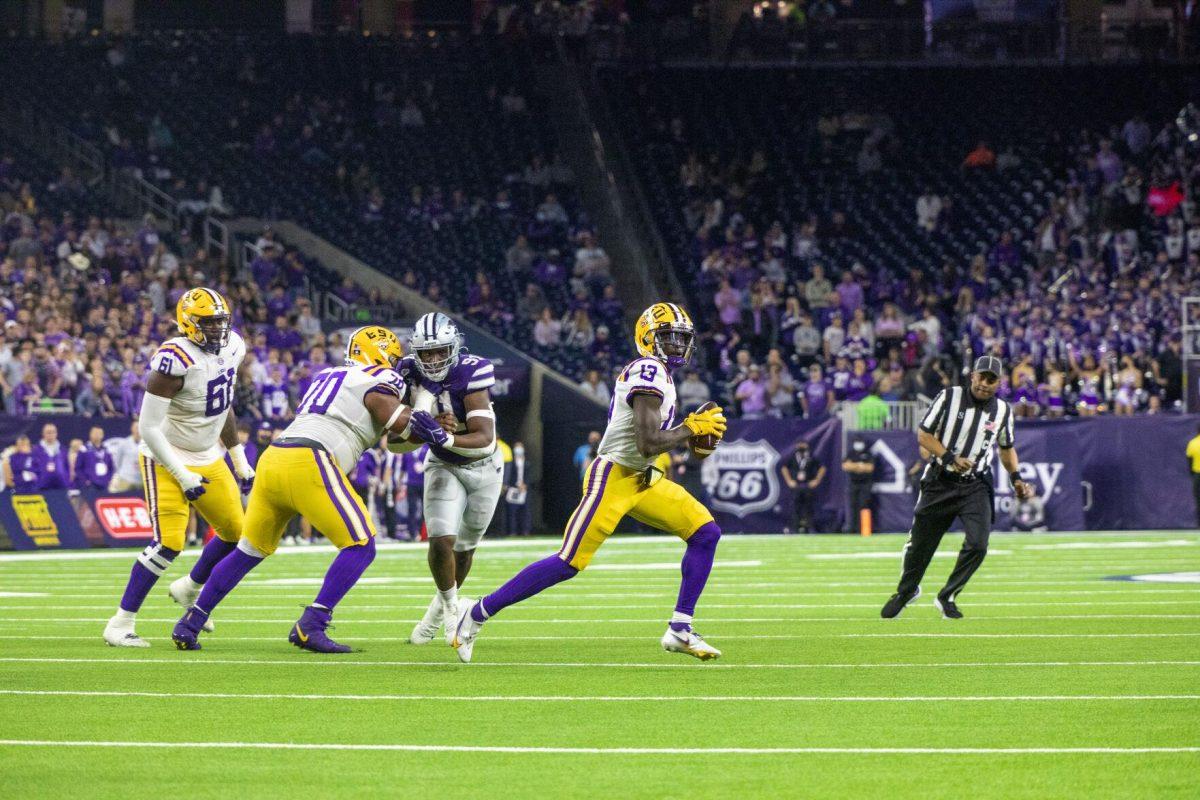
(930, 420)
(154, 414)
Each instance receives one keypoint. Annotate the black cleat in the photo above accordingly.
(947, 607)
(896, 604)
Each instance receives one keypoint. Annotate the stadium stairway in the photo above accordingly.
(607, 189)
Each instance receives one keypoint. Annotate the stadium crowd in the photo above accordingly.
(479, 216)
(1082, 299)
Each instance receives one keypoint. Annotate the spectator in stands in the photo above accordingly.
(586, 453)
(547, 331)
(816, 397)
(693, 392)
(594, 387)
(929, 209)
(751, 394)
(50, 460)
(520, 257)
(20, 473)
(93, 467)
(818, 292)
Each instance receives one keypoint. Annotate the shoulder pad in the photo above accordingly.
(172, 359)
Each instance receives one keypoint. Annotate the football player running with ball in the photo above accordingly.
(345, 410)
(623, 480)
(187, 424)
(464, 471)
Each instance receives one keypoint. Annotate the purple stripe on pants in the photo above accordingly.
(332, 496)
(588, 519)
(351, 494)
(587, 490)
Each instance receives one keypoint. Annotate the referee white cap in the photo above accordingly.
(989, 364)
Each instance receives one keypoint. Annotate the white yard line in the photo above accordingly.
(625, 751)
(658, 620)
(305, 661)
(723, 637)
(637, 606)
(1033, 698)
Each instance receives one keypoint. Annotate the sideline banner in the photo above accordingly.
(71, 520)
(742, 480)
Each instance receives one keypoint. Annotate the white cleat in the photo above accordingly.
(424, 632)
(183, 593)
(465, 631)
(689, 642)
(117, 634)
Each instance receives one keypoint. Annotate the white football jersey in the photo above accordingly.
(197, 413)
(643, 376)
(333, 411)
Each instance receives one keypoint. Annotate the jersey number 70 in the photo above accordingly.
(320, 395)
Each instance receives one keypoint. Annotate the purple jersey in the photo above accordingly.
(23, 471)
(413, 466)
(471, 374)
(817, 395)
(51, 468)
(366, 469)
(858, 387)
(93, 468)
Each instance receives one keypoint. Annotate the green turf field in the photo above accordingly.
(1058, 683)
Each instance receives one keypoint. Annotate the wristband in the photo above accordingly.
(1014, 478)
(947, 459)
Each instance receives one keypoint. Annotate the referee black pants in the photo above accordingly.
(1196, 495)
(939, 502)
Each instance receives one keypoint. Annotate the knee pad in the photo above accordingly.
(157, 558)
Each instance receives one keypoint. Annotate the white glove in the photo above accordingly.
(241, 466)
(192, 484)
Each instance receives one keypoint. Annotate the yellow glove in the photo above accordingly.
(710, 422)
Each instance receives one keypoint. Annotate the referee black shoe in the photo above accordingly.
(897, 602)
(948, 608)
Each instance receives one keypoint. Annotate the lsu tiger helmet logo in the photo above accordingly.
(202, 316)
(374, 346)
(665, 331)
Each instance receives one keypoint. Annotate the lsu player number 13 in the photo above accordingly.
(187, 424)
(345, 410)
(623, 479)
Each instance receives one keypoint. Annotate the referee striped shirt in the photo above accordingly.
(969, 428)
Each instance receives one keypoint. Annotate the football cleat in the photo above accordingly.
(181, 592)
(427, 628)
(690, 642)
(465, 631)
(309, 633)
(187, 631)
(948, 608)
(117, 634)
(895, 604)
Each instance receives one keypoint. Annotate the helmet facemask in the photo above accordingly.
(674, 345)
(435, 360)
(213, 332)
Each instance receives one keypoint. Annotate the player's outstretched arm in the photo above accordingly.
(160, 388)
(388, 412)
(651, 438)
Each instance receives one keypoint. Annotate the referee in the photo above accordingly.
(958, 431)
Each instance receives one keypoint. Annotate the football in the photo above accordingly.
(703, 446)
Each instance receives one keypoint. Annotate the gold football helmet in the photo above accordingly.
(374, 345)
(665, 331)
(203, 318)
